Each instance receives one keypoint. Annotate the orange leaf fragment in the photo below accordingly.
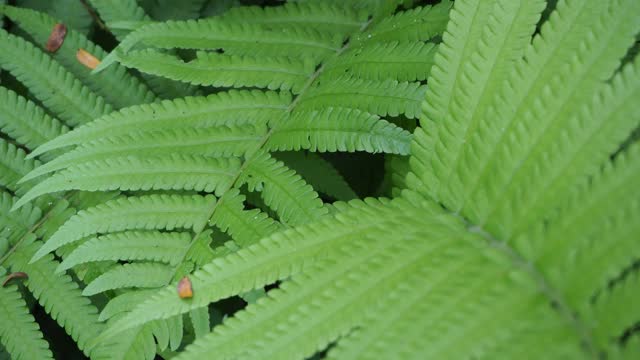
(14, 275)
(56, 38)
(86, 59)
(185, 291)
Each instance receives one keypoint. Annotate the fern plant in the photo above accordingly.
(511, 227)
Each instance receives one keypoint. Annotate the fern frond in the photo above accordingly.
(124, 302)
(216, 141)
(222, 70)
(336, 18)
(119, 10)
(402, 61)
(118, 88)
(14, 224)
(275, 257)
(58, 89)
(14, 165)
(199, 251)
(616, 310)
(116, 11)
(25, 121)
(628, 351)
(339, 129)
(419, 24)
(319, 173)
(71, 12)
(283, 190)
(595, 132)
(245, 226)
(336, 305)
(139, 275)
(603, 45)
(130, 213)
(19, 333)
(130, 245)
(175, 172)
(226, 108)
(233, 38)
(387, 97)
(58, 294)
(460, 39)
(595, 235)
(504, 37)
(605, 254)
(200, 320)
(133, 344)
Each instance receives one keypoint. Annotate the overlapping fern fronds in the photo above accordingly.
(162, 157)
(514, 226)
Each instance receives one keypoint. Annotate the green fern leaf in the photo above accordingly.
(388, 97)
(616, 311)
(124, 302)
(189, 172)
(15, 224)
(134, 344)
(130, 245)
(212, 141)
(119, 10)
(467, 19)
(402, 61)
(58, 295)
(599, 59)
(317, 15)
(245, 39)
(139, 275)
(594, 241)
(72, 12)
(245, 226)
(226, 108)
(223, 70)
(339, 129)
(19, 332)
(58, 89)
(25, 121)
(628, 351)
(116, 11)
(14, 165)
(200, 321)
(129, 213)
(596, 132)
(283, 190)
(333, 314)
(319, 173)
(503, 40)
(419, 24)
(199, 251)
(312, 243)
(118, 88)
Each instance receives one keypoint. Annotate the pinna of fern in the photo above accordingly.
(226, 137)
(515, 234)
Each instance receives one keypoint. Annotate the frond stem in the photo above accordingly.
(554, 296)
(267, 136)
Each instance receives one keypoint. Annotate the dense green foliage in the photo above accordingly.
(495, 141)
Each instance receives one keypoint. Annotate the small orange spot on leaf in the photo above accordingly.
(86, 59)
(56, 38)
(185, 291)
(14, 275)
